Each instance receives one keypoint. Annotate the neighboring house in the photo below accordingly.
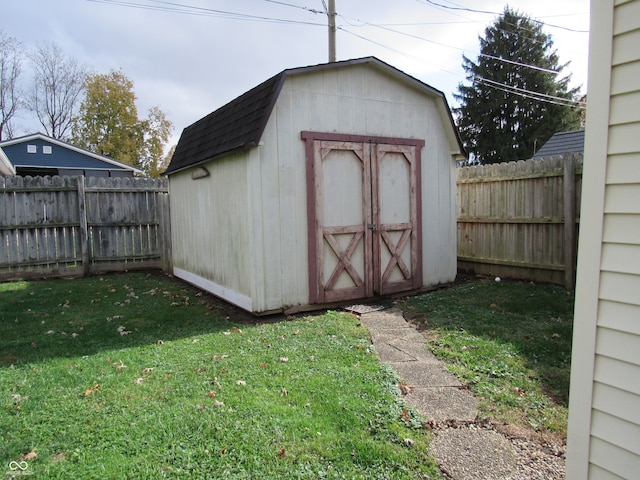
(325, 183)
(40, 155)
(604, 402)
(561, 143)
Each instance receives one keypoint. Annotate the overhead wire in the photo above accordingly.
(174, 7)
(466, 9)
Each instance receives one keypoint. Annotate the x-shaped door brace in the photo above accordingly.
(344, 259)
(395, 250)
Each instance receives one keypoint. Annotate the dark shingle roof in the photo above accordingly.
(235, 126)
(561, 143)
(239, 124)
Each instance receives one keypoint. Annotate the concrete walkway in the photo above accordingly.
(462, 450)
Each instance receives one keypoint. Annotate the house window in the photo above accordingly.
(32, 149)
(46, 149)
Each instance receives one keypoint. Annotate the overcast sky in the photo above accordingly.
(190, 57)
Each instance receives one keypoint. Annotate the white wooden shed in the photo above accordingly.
(323, 184)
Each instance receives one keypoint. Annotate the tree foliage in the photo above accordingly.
(11, 99)
(57, 87)
(108, 123)
(517, 97)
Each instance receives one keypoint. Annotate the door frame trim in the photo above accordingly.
(315, 296)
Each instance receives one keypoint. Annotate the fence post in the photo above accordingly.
(164, 218)
(84, 231)
(570, 245)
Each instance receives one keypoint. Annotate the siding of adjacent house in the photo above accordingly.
(604, 409)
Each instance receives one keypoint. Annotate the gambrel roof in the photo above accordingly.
(239, 124)
(561, 143)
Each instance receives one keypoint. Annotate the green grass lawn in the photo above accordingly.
(510, 342)
(138, 376)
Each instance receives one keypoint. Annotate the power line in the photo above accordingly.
(500, 59)
(541, 97)
(466, 9)
(170, 7)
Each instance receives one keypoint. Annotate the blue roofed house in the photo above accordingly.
(40, 155)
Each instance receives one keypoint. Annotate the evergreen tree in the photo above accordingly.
(517, 97)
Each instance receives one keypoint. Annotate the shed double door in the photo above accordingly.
(365, 233)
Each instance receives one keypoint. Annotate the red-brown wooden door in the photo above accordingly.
(363, 204)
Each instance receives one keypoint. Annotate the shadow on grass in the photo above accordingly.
(83, 316)
(535, 320)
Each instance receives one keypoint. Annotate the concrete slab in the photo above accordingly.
(423, 374)
(415, 349)
(443, 403)
(385, 319)
(404, 334)
(472, 453)
(465, 453)
(388, 353)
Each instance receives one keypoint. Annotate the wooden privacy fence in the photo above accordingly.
(519, 219)
(72, 226)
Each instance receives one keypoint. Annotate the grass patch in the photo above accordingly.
(139, 376)
(510, 342)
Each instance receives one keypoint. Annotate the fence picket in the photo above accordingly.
(518, 219)
(59, 226)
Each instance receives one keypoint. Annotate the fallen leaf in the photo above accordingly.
(297, 332)
(409, 442)
(284, 393)
(32, 455)
(405, 416)
(284, 359)
(139, 380)
(147, 370)
(212, 393)
(91, 390)
(159, 342)
(555, 335)
(49, 332)
(241, 383)
(405, 389)
(218, 404)
(282, 453)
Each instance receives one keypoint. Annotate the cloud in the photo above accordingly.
(191, 64)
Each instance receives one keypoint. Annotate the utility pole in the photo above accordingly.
(331, 15)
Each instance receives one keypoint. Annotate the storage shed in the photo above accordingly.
(323, 184)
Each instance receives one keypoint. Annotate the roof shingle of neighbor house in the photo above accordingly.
(561, 143)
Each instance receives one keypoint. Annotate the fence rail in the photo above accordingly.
(71, 226)
(519, 219)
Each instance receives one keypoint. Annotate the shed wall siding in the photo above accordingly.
(610, 448)
(356, 101)
(212, 219)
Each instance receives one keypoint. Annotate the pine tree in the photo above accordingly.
(517, 97)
